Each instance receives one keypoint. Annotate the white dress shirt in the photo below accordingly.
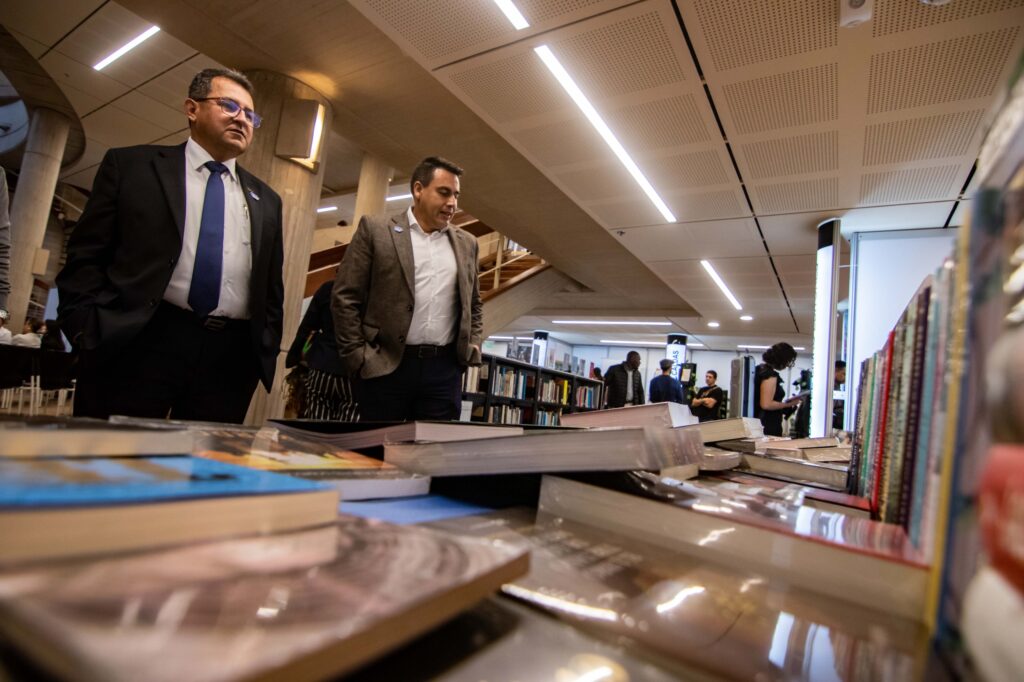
(629, 386)
(237, 267)
(434, 315)
(29, 340)
(5, 336)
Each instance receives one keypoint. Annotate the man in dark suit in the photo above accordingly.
(624, 386)
(172, 288)
(406, 303)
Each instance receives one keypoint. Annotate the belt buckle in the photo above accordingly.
(214, 324)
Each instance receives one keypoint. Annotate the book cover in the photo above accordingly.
(354, 475)
(719, 621)
(57, 507)
(304, 605)
(917, 372)
(648, 414)
(843, 557)
(652, 448)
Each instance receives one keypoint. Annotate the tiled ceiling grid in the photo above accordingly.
(636, 68)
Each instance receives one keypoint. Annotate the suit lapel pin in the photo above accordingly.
(253, 195)
(398, 228)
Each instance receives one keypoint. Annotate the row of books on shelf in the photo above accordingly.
(654, 477)
(498, 378)
(903, 403)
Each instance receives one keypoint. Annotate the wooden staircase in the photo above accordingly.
(515, 268)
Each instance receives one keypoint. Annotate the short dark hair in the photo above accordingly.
(780, 356)
(840, 364)
(713, 373)
(203, 81)
(424, 172)
(632, 354)
(666, 364)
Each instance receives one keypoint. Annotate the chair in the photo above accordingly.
(56, 374)
(19, 371)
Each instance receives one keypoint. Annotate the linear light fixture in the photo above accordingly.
(509, 338)
(399, 197)
(633, 343)
(326, 209)
(620, 323)
(573, 90)
(714, 325)
(126, 48)
(799, 348)
(749, 347)
(513, 14)
(746, 318)
(721, 285)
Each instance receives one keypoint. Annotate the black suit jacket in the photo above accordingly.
(616, 379)
(123, 251)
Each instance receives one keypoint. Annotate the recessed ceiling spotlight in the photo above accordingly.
(713, 324)
(746, 318)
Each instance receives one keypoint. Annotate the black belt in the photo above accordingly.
(213, 323)
(428, 351)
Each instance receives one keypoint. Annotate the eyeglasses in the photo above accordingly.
(231, 108)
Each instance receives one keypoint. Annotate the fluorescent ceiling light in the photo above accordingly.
(573, 90)
(127, 47)
(799, 348)
(743, 345)
(513, 14)
(509, 338)
(633, 343)
(620, 323)
(746, 318)
(399, 197)
(695, 345)
(721, 285)
(713, 324)
(326, 209)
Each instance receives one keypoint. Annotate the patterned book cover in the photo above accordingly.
(303, 605)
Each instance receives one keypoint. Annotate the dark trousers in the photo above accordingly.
(176, 367)
(427, 384)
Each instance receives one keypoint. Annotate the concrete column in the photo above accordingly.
(371, 195)
(30, 207)
(299, 188)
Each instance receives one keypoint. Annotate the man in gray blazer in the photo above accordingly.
(406, 304)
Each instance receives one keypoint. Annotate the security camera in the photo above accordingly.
(854, 12)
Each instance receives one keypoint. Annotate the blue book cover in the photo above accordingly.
(107, 481)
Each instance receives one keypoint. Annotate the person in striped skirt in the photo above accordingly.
(328, 392)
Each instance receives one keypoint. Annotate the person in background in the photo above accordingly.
(31, 335)
(5, 333)
(839, 405)
(768, 390)
(595, 373)
(52, 338)
(706, 404)
(406, 302)
(623, 383)
(665, 388)
(328, 391)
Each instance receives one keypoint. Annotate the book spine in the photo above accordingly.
(877, 473)
(914, 413)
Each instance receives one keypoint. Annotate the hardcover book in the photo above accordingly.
(359, 435)
(833, 554)
(828, 474)
(649, 414)
(306, 605)
(61, 507)
(610, 449)
(719, 621)
(79, 437)
(356, 476)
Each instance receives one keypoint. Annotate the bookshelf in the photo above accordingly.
(507, 391)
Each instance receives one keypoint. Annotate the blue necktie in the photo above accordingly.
(204, 294)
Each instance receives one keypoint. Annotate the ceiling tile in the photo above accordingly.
(713, 239)
(86, 88)
(171, 87)
(896, 16)
(46, 27)
(118, 128)
(784, 100)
